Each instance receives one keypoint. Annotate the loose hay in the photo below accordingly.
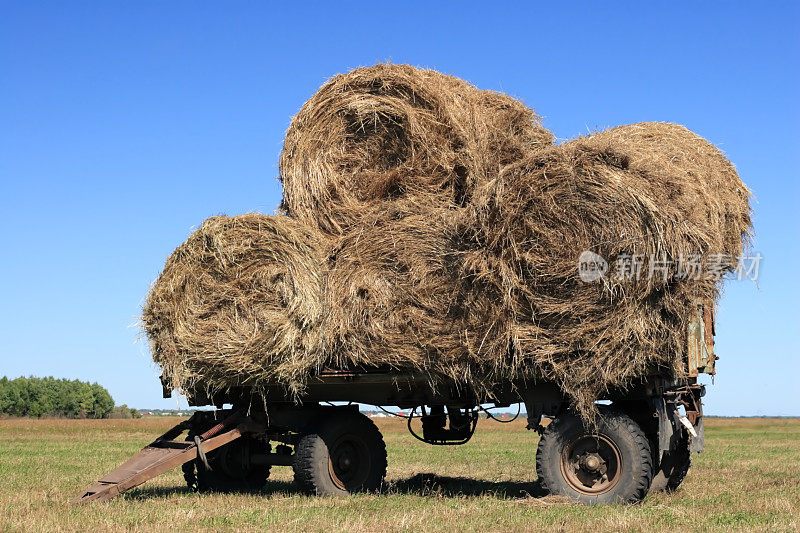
(397, 297)
(389, 131)
(240, 301)
(394, 298)
(652, 189)
(435, 228)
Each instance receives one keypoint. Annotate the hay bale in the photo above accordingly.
(483, 293)
(389, 131)
(391, 298)
(491, 293)
(238, 302)
(389, 292)
(652, 189)
(399, 296)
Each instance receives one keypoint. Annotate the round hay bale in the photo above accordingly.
(389, 131)
(396, 298)
(690, 174)
(651, 190)
(238, 302)
(390, 298)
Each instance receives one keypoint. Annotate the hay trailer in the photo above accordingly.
(641, 442)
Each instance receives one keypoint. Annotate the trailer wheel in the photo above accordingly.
(342, 454)
(672, 470)
(611, 464)
(230, 468)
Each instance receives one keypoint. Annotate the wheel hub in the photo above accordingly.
(591, 464)
(348, 463)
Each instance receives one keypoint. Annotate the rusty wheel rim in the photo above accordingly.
(591, 464)
(348, 463)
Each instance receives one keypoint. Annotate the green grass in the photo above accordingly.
(746, 480)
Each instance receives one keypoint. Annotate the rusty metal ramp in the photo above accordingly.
(161, 455)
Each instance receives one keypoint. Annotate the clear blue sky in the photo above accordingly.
(125, 124)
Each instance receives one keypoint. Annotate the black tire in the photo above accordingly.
(342, 454)
(230, 468)
(612, 464)
(672, 469)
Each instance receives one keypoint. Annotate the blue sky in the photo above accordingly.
(124, 124)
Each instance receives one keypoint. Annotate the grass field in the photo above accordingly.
(747, 480)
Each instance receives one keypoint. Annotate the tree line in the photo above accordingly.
(38, 397)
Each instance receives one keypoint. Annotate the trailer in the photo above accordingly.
(642, 442)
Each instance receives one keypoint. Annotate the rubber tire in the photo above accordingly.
(633, 445)
(672, 471)
(311, 471)
(199, 479)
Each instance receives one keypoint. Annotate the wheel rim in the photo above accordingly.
(349, 463)
(591, 464)
(233, 459)
(233, 462)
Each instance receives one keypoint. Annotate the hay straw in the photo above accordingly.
(240, 301)
(397, 297)
(652, 189)
(389, 131)
(436, 229)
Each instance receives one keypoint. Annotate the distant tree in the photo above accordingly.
(37, 397)
(103, 402)
(123, 411)
(85, 397)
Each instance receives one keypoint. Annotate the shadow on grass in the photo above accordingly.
(272, 487)
(420, 485)
(432, 484)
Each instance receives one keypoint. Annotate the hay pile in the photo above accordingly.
(391, 131)
(654, 190)
(240, 301)
(394, 295)
(435, 227)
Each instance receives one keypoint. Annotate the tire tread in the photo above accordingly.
(612, 419)
(305, 470)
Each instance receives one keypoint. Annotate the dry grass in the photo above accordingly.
(435, 227)
(240, 298)
(378, 133)
(652, 190)
(394, 297)
(744, 481)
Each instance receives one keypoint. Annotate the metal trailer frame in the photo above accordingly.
(273, 413)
